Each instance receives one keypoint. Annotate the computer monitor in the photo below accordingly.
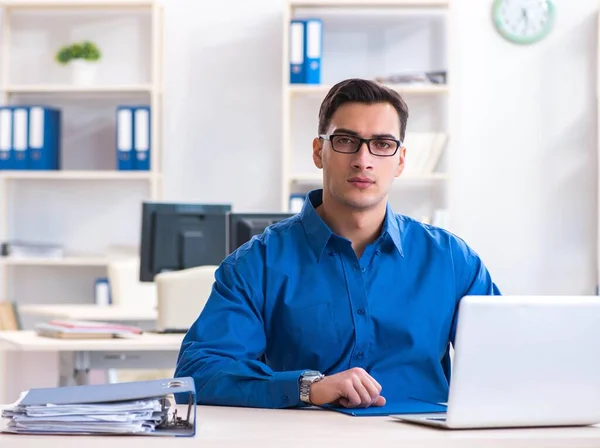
(178, 236)
(243, 226)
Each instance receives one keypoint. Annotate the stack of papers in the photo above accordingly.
(127, 417)
(139, 407)
(76, 329)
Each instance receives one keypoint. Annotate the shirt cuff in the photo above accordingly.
(284, 389)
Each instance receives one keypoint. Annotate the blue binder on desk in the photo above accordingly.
(141, 138)
(44, 128)
(6, 139)
(144, 408)
(405, 406)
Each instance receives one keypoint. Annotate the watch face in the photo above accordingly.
(523, 21)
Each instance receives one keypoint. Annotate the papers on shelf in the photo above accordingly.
(81, 329)
(423, 152)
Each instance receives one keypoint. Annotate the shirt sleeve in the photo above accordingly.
(222, 350)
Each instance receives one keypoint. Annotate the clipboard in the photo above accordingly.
(166, 389)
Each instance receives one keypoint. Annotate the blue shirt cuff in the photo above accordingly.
(284, 390)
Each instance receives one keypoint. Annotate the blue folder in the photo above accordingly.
(406, 406)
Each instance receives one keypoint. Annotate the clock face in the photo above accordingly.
(523, 21)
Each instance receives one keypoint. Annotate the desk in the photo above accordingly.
(110, 313)
(78, 356)
(261, 428)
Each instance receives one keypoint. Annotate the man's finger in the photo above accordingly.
(371, 387)
(365, 396)
(352, 398)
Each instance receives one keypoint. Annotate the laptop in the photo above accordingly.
(523, 361)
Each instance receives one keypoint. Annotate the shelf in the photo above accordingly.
(76, 175)
(316, 178)
(67, 88)
(369, 3)
(76, 4)
(64, 261)
(417, 89)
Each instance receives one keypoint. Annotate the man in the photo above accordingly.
(346, 303)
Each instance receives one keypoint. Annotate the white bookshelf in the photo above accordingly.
(74, 180)
(380, 22)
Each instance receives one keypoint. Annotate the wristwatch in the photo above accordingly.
(306, 379)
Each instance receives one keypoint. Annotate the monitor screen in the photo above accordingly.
(243, 226)
(181, 236)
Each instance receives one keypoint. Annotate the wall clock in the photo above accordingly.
(524, 21)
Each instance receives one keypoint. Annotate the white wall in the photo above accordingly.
(223, 102)
(523, 128)
(525, 134)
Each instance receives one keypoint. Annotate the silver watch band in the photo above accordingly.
(306, 380)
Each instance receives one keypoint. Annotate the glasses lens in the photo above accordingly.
(383, 147)
(344, 143)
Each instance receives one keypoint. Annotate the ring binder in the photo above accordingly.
(145, 408)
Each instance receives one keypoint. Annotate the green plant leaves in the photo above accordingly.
(82, 50)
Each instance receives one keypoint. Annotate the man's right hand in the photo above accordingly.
(351, 389)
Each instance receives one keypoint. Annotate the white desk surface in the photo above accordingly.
(29, 341)
(109, 313)
(261, 428)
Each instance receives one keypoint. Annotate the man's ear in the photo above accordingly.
(401, 161)
(318, 152)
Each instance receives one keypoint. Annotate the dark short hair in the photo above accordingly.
(361, 91)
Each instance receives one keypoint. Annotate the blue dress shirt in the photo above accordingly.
(297, 298)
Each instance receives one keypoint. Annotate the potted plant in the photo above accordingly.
(83, 57)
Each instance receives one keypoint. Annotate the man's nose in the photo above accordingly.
(362, 159)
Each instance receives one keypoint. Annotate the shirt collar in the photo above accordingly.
(318, 233)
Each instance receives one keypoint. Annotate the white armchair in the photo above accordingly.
(182, 296)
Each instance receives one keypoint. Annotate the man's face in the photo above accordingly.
(360, 180)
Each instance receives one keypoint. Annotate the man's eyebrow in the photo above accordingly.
(393, 137)
(349, 132)
(345, 131)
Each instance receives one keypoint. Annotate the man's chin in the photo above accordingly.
(361, 199)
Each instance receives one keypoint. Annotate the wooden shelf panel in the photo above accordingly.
(417, 89)
(369, 3)
(76, 175)
(76, 4)
(67, 88)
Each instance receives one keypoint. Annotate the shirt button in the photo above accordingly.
(361, 311)
(378, 252)
(360, 355)
(363, 269)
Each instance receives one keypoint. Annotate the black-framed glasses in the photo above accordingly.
(350, 144)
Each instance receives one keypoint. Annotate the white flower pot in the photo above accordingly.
(84, 72)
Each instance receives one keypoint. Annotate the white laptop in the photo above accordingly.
(523, 361)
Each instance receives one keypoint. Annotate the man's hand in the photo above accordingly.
(351, 389)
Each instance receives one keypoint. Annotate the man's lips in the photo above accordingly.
(361, 182)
